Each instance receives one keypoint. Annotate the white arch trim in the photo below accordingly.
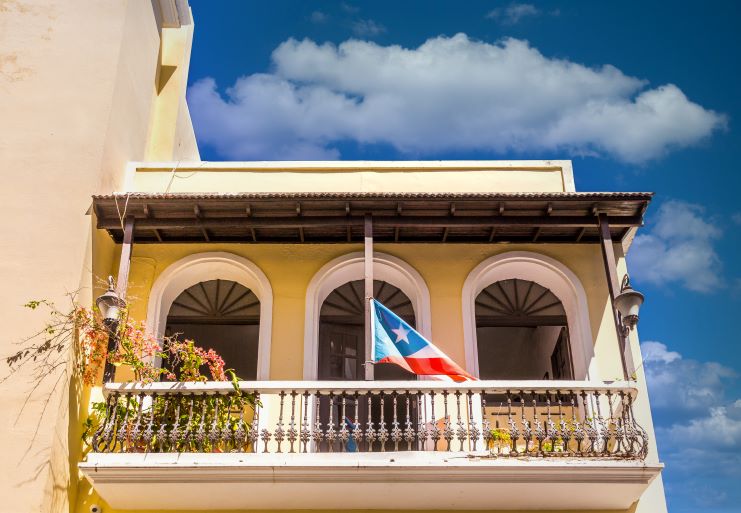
(548, 273)
(349, 268)
(211, 266)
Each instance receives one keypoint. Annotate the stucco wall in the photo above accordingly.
(289, 268)
(76, 94)
(362, 176)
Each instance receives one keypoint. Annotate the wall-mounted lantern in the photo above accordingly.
(110, 306)
(628, 303)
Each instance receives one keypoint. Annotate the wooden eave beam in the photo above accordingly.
(124, 264)
(248, 211)
(379, 221)
(613, 286)
(148, 215)
(300, 228)
(199, 216)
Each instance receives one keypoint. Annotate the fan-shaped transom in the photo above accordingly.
(344, 305)
(518, 302)
(218, 302)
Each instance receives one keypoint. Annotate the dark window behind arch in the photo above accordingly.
(522, 332)
(221, 315)
(342, 331)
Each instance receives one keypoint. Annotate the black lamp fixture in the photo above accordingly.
(628, 304)
(110, 306)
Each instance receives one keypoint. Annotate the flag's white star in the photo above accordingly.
(401, 334)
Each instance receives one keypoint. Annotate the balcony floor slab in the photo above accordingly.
(390, 480)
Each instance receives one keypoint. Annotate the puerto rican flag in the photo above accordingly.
(394, 341)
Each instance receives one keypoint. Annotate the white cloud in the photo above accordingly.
(349, 8)
(721, 428)
(367, 28)
(318, 17)
(698, 428)
(513, 13)
(683, 386)
(657, 352)
(449, 94)
(678, 248)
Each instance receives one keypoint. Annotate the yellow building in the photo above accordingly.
(501, 264)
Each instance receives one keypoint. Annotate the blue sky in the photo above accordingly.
(641, 96)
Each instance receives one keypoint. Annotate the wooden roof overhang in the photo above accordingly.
(568, 217)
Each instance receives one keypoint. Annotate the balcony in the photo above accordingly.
(410, 444)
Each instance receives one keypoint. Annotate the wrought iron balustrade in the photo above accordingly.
(501, 418)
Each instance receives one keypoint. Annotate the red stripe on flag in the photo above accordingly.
(430, 367)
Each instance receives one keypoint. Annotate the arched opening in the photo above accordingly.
(342, 356)
(522, 332)
(342, 331)
(191, 270)
(547, 273)
(348, 268)
(222, 315)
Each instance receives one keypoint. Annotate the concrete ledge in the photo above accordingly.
(390, 480)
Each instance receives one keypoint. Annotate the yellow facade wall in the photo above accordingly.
(445, 177)
(290, 268)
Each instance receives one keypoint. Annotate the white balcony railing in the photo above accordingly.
(507, 419)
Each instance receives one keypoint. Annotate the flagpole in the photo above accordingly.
(368, 276)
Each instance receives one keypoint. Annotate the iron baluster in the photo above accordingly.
(122, 435)
(447, 426)
(383, 434)
(620, 426)
(514, 433)
(331, 433)
(201, 432)
(162, 430)
(473, 429)
(550, 427)
(189, 436)
(357, 430)
(409, 431)
(104, 431)
(485, 423)
(611, 425)
(280, 433)
(305, 434)
(527, 431)
(344, 432)
(564, 429)
(434, 430)
(292, 433)
(591, 426)
(135, 435)
(214, 434)
(421, 426)
(317, 435)
(461, 430)
(540, 433)
(578, 431)
(240, 433)
(640, 432)
(175, 433)
(395, 430)
(370, 434)
(255, 429)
